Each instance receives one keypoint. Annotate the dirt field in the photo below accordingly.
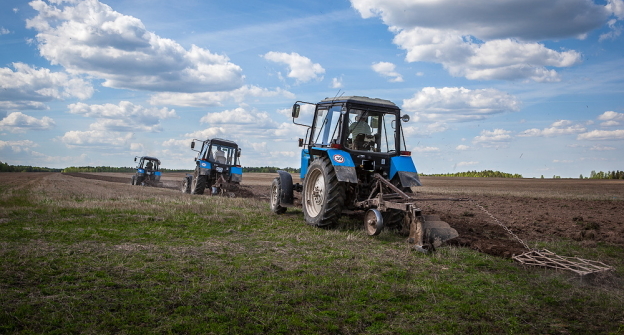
(589, 211)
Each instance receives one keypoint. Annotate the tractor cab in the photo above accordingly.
(218, 151)
(147, 171)
(217, 167)
(361, 133)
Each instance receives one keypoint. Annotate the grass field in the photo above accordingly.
(80, 256)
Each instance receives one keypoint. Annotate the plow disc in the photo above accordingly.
(436, 231)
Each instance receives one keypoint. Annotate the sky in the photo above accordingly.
(521, 86)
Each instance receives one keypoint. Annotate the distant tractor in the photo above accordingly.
(217, 168)
(354, 159)
(147, 172)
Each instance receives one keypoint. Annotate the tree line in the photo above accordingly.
(4, 167)
(480, 174)
(605, 175)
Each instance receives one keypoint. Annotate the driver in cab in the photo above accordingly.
(360, 130)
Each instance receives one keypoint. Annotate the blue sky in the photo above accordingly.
(521, 86)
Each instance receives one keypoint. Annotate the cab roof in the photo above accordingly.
(361, 100)
(224, 142)
(151, 158)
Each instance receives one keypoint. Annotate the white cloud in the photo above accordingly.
(18, 122)
(616, 7)
(611, 118)
(4, 31)
(459, 104)
(485, 40)
(336, 83)
(462, 147)
(28, 87)
(596, 135)
(300, 68)
(96, 139)
(252, 119)
(386, 69)
(562, 161)
(492, 60)
(561, 127)
(425, 149)
(494, 138)
(216, 98)
(610, 124)
(283, 154)
(17, 146)
(125, 117)
(601, 148)
(615, 31)
(89, 37)
(466, 164)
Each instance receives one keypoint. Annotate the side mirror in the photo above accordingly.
(405, 118)
(193, 145)
(295, 111)
(300, 142)
(135, 159)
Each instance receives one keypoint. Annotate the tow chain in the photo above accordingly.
(501, 224)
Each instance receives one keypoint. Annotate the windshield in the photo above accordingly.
(371, 131)
(326, 126)
(148, 164)
(222, 154)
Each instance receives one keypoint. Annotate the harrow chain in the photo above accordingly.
(501, 224)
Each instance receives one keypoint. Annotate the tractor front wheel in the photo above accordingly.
(199, 185)
(276, 195)
(323, 194)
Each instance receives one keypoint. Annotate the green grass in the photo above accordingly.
(199, 265)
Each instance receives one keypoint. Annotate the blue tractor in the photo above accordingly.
(217, 168)
(147, 172)
(354, 160)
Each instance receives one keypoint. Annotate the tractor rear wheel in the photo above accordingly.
(323, 194)
(199, 185)
(276, 195)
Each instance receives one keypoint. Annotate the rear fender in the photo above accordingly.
(236, 174)
(204, 167)
(404, 167)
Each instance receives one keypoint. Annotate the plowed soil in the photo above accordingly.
(589, 211)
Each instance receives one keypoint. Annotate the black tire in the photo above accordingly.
(186, 185)
(133, 180)
(276, 195)
(323, 194)
(199, 185)
(138, 181)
